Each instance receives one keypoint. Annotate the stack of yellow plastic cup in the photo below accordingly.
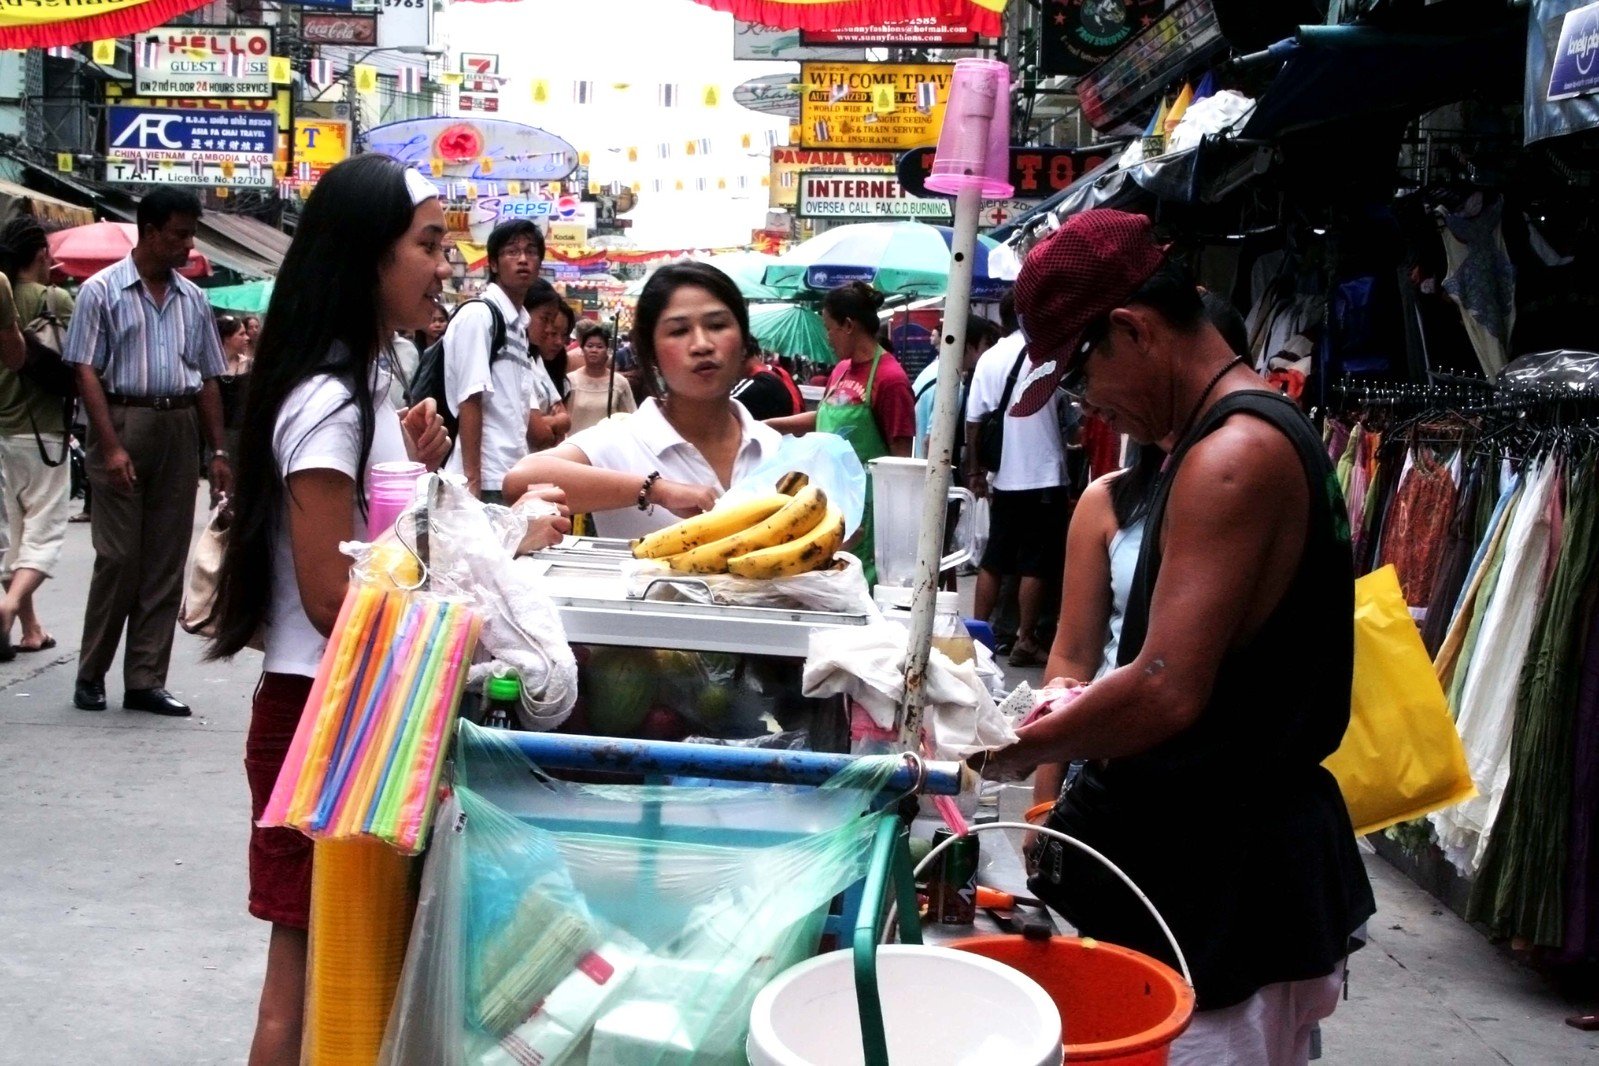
(361, 905)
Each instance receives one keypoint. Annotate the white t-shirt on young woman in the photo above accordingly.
(318, 428)
(646, 442)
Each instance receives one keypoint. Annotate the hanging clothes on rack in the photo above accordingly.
(1580, 938)
(1455, 563)
(1486, 707)
(1417, 529)
(1513, 893)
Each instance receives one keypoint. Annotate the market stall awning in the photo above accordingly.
(251, 236)
(1351, 73)
(246, 261)
(52, 213)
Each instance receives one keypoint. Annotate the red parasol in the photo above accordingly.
(82, 251)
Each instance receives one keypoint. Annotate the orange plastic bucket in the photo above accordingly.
(1116, 1005)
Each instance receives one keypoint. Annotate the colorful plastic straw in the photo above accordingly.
(368, 753)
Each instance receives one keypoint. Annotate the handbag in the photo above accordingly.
(197, 615)
(45, 339)
(991, 430)
(1401, 756)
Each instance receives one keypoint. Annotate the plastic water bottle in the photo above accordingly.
(502, 694)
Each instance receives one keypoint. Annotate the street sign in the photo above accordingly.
(221, 61)
(864, 198)
(210, 148)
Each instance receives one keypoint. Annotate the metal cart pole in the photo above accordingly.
(562, 751)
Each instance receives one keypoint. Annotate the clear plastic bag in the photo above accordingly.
(1577, 371)
(831, 464)
(658, 913)
(841, 589)
(471, 546)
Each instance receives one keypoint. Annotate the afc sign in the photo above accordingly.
(151, 130)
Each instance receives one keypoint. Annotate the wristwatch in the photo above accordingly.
(213, 454)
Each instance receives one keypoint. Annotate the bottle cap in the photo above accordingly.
(503, 688)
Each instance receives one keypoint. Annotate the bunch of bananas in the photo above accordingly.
(791, 531)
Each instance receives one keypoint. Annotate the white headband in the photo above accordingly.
(420, 188)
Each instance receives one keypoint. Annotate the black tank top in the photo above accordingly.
(1233, 828)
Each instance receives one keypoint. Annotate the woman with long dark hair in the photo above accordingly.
(367, 260)
(676, 454)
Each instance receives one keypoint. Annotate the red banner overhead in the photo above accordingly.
(986, 17)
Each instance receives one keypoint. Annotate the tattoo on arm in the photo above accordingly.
(1155, 668)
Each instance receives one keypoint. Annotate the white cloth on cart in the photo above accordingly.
(867, 664)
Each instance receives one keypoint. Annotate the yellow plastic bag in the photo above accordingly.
(1401, 757)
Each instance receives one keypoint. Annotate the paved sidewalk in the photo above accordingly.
(124, 940)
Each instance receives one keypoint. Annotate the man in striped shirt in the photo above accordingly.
(147, 356)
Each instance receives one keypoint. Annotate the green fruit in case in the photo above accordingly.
(620, 686)
(714, 705)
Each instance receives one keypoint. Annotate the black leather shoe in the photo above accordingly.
(89, 695)
(156, 701)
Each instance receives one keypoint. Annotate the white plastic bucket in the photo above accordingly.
(939, 1006)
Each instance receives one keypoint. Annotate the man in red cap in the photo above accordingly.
(1204, 780)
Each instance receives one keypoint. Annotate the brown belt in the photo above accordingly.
(159, 403)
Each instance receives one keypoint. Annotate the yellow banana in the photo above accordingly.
(797, 519)
(791, 483)
(811, 552)
(713, 525)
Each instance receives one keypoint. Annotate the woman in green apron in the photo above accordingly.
(868, 400)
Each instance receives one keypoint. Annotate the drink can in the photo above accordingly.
(952, 894)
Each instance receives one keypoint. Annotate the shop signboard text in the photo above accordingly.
(927, 30)
(224, 61)
(1036, 173)
(210, 148)
(872, 105)
(864, 197)
(1575, 70)
(349, 29)
(789, 163)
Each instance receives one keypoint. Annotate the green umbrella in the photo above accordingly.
(789, 329)
(251, 298)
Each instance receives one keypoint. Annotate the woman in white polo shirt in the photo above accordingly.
(689, 440)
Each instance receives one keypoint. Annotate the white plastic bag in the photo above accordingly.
(828, 460)
(471, 546)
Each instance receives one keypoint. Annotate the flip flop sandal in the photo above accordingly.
(44, 645)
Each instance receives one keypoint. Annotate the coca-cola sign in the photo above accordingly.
(323, 28)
